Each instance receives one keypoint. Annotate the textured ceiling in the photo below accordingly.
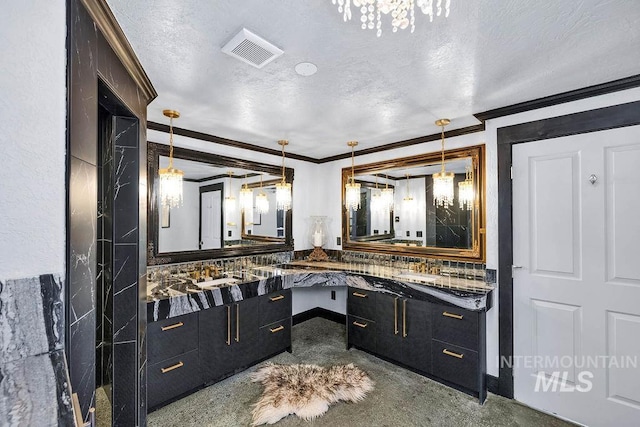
(487, 54)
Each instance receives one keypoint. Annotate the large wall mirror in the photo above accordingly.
(397, 212)
(219, 215)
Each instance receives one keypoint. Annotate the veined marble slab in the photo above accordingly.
(173, 306)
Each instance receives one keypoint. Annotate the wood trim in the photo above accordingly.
(225, 141)
(113, 34)
(600, 119)
(561, 98)
(406, 143)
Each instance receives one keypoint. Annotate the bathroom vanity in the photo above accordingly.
(210, 330)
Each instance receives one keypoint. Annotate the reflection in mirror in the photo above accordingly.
(414, 223)
(219, 211)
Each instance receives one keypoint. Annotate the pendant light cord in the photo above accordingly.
(353, 174)
(283, 179)
(170, 142)
(442, 170)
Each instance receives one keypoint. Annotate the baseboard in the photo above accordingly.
(492, 384)
(319, 312)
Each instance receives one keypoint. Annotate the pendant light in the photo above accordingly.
(408, 199)
(388, 196)
(443, 180)
(262, 202)
(230, 200)
(465, 190)
(246, 197)
(171, 178)
(377, 203)
(283, 188)
(352, 189)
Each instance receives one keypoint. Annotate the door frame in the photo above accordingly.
(612, 117)
(205, 189)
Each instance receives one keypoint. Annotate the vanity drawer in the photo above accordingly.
(455, 364)
(276, 337)
(361, 303)
(362, 333)
(172, 377)
(171, 337)
(275, 306)
(456, 326)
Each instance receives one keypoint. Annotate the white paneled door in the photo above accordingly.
(576, 236)
(210, 219)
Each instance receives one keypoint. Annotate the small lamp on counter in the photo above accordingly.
(318, 237)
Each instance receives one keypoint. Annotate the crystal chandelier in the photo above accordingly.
(246, 197)
(352, 189)
(443, 181)
(402, 12)
(283, 188)
(465, 190)
(262, 202)
(388, 196)
(230, 200)
(171, 178)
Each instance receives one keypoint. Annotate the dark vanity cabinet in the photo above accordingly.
(187, 352)
(438, 340)
(228, 338)
(172, 357)
(404, 332)
(361, 315)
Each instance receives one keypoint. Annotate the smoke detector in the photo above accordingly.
(252, 49)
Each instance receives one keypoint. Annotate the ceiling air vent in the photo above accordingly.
(252, 49)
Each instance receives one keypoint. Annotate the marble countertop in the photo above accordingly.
(179, 294)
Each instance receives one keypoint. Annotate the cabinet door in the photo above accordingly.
(245, 335)
(389, 326)
(216, 342)
(416, 332)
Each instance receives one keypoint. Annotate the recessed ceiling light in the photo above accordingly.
(306, 69)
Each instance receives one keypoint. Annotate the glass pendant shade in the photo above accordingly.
(443, 189)
(283, 196)
(262, 203)
(387, 198)
(377, 204)
(283, 188)
(352, 196)
(465, 194)
(246, 199)
(171, 186)
(351, 188)
(443, 180)
(171, 178)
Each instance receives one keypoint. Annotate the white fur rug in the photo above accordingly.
(306, 390)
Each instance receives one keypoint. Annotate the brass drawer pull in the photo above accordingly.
(278, 329)
(455, 316)
(404, 318)
(451, 353)
(395, 316)
(175, 325)
(361, 325)
(278, 298)
(359, 295)
(237, 323)
(172, 367)
(228, 341)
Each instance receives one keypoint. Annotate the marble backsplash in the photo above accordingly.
(34, 379)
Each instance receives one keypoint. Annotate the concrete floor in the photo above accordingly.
(400, 397)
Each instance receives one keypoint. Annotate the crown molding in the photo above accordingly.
(113, 34)
(561, 98)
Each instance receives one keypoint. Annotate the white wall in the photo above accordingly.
(308, 298)
(32, 140)
(184, 222)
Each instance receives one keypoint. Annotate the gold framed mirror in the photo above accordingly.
(406, 220)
